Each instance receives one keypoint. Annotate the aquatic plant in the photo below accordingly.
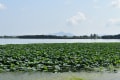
(63, 57)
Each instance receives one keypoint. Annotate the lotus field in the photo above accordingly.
(59, 57)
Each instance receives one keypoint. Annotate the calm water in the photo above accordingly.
(27, 41)
(60, 76)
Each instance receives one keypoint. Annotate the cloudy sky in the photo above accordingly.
(79, 17)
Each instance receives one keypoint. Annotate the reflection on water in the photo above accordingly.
(60, 76)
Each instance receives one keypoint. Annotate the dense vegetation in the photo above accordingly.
(62, 57)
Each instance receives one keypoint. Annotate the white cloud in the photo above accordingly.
(76, 19)
(116, 3)
(114, 22)
(2, 6)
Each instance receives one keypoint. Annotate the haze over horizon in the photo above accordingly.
(78, 17)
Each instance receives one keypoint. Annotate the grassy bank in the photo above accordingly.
(63, 57)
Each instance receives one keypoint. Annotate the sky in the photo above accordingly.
(79, 17)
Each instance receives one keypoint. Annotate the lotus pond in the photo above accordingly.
(60, 57)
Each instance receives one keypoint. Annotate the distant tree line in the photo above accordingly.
(111, 36)
(92, 36)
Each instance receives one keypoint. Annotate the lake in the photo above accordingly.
(59, 76)
(27, 41)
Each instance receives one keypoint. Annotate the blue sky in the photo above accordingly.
(79, 17)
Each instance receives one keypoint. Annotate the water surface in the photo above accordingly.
(60, 76)
(27, 41)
